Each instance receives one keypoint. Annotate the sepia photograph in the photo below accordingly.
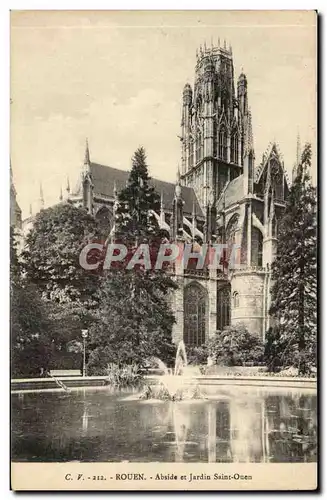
(163, 250)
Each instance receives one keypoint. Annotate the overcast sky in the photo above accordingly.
(117, 79)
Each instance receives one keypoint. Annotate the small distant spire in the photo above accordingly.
(41, 197)
(205, 46)
(225, 44)
(249, 146)
(30, 211)
(178, 189)
(250, 129)
(193, 207)
(161, 201)
(12, 186)
(60, 196)
(193, 219)
(87, 155)
(218, 41)
(298, 149)
(68, 185)
(178, 175)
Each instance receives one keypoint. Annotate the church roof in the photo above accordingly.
(104, 179)
(232, 193)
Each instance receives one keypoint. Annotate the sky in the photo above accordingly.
(117, 79)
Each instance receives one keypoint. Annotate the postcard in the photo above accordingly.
(163, 238)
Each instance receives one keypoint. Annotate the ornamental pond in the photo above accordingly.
(229, 424)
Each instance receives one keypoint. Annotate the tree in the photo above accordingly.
(135, 221)
(30, 327)
(135, 319)
(51, 262)
(294, 275)
(235, 346)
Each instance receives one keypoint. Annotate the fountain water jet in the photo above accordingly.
(181, 358)
(174, 385)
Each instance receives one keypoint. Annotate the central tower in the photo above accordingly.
(214, 121)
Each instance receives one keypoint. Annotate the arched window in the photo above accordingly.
(195, 314)
(198, 147)
(256, 247)
(223, 305)
(215, 139)
(234, 148)
(231, 229)
(236, 300)
(222, 143)
(190, 155)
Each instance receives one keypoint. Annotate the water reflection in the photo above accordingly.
(236, 426)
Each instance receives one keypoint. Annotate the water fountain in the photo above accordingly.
(174, 384)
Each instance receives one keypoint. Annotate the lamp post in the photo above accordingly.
(84, 336)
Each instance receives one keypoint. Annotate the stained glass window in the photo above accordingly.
(256, 247)
(190, 157)
(222, 143)
(223, 306)
(234, 148)
(195, 314)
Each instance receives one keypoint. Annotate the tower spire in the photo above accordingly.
(178, 177)
(60, 196)
(41, 197)
(178, 208)
(12, 186)
(162, 210)
(193, 219)
(298, 149)
(87, 162)
(68, 185)
(249, 146)
(161, 202)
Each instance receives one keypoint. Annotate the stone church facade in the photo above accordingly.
(222, 195)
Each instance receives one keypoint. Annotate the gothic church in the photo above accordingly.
(221, 195)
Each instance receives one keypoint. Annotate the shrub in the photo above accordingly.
(197, 355)
(235, 346)
(125, 376)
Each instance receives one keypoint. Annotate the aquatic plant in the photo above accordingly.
(123, 376)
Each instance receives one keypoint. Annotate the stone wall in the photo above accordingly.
(248, 306)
